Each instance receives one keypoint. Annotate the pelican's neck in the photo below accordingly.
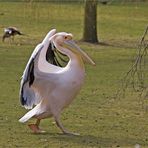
(75, 59)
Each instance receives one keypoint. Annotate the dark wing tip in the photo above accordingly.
(22, 99)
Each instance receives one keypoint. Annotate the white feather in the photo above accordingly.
(31, 96)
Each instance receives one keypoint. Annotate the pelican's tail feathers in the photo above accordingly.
(28, 115)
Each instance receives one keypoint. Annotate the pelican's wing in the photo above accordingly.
(27, 94)
(28, 97)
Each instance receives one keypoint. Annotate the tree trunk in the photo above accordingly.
(90, 22)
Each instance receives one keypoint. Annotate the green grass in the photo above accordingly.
(102, 120)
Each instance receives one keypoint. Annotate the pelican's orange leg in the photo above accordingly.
(35, 127)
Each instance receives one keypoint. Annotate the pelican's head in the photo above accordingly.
(65, 40)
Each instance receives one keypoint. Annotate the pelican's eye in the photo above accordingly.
(68, 37)
(65, 37)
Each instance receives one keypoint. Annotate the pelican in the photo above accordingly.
(47, 87)
(10, 31)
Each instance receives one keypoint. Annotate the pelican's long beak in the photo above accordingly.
(70, 44)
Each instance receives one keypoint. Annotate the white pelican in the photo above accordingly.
(49, 87)
(11, 32)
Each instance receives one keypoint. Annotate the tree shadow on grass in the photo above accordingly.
(124, 43)
(120, 44)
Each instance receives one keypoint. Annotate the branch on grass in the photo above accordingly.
(135, 76)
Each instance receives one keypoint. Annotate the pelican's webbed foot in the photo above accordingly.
(35, 128)
(59, 124)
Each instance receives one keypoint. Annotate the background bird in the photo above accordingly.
(104, 2)
(51, 87)
(11, 32)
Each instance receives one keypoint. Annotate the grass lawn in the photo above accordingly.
(102, 120)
